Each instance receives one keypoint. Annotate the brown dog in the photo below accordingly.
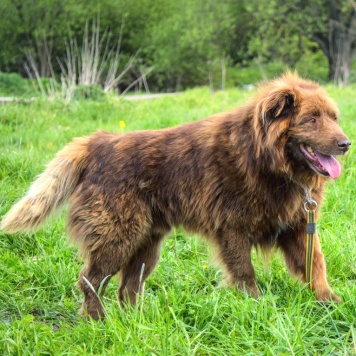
(238, 178)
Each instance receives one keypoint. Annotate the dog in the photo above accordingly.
(239, 178)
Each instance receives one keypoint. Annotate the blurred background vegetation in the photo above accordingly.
(171, 45)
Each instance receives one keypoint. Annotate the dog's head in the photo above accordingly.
(298, 122)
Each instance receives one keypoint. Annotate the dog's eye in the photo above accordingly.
(313, 120)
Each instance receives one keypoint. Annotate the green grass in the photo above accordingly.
(182, 312)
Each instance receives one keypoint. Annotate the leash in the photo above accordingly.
(310, 207)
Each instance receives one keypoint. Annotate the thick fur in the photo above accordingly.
(237, 178)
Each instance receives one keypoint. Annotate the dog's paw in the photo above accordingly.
(87, 314)
(250, 288)
(327, 295)
(83, 312)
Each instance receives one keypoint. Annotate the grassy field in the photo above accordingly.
(182, 312)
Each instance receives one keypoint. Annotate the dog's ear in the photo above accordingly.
(276, 104)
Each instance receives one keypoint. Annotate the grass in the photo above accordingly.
(182, 312)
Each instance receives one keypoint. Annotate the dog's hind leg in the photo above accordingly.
(135, 272)
(107, 258)
(108, 230)
(100, 266)
(235, 255)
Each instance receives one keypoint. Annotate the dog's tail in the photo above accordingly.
(50, 190)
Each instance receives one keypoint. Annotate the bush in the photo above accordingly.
(313, 65)
(89, 92)
(255, 73)
(12, 84)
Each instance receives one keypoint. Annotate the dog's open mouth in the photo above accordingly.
(326, 165)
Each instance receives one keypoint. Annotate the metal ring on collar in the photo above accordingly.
(310, 205)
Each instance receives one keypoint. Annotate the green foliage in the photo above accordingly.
(313, 64)
(258, 72)
(179, 39)
(12, 84)
(89, 92)
(182, 312)
(40, 27)
(287, 30)
(184, 41)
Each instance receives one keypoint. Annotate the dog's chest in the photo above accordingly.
(267, 214)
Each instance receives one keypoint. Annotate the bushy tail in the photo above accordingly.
(50, 190)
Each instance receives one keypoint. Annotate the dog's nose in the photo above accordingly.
(344, 144)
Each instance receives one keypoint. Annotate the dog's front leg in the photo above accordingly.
(293, 244)
(235, 255)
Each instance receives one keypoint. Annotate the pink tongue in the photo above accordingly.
(329, 163)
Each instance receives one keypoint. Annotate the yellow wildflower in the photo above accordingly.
(122, 124)
(205, 266)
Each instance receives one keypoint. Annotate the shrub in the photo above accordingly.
(12, 84)
(89, 92)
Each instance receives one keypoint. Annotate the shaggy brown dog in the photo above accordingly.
(238, 178)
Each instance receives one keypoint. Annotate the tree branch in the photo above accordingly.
(323, 42)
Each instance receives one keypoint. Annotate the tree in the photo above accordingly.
(186, 43)
(41, 28)
(337, 37)
(284, 27)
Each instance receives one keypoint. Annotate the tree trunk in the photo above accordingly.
(44, 56)
(342, 43)
(339, 44)
(340, 64)
(339, 49)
